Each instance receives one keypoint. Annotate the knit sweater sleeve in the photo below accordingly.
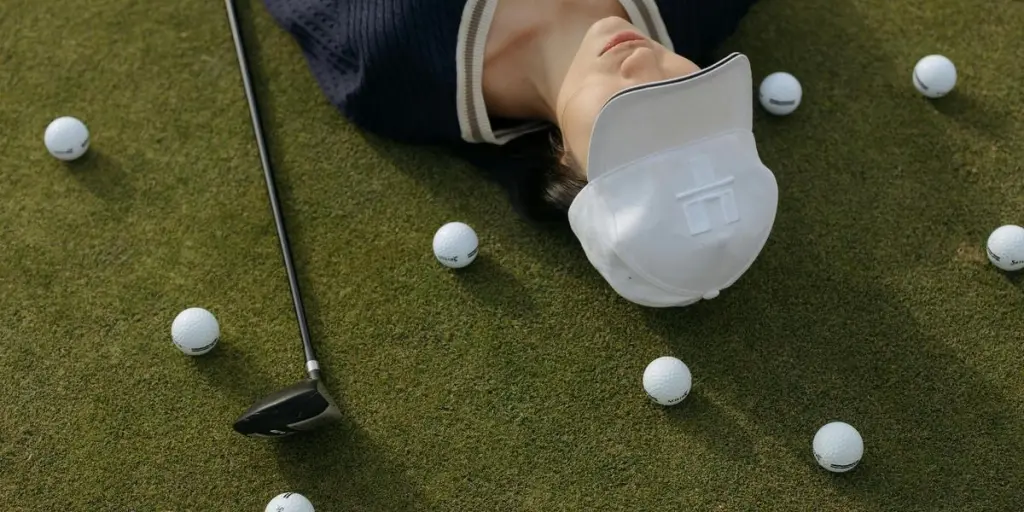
(387, 65)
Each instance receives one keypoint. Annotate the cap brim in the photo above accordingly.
(650, 118)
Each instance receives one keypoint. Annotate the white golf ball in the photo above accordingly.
(289, 502)
(455, 245)
(195, 331)
(66, 138)
(934, 76)
(1006, 247)
(780, 93)
(838, 447)
(667, 380)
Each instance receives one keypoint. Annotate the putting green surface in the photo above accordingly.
(513, 384)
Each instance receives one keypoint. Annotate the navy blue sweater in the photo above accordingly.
(403, 69)
(390, 66)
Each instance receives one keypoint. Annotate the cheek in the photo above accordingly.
(677, 65)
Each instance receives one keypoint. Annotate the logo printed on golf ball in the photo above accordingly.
(199, 350)
(455, 259)
(671, 401)
(780, 93)
(1005, 248)
(455, 245)
(999, 261)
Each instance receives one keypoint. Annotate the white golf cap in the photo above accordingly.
(678, 204)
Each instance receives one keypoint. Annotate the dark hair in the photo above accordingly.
(540, 177)
(563, 180)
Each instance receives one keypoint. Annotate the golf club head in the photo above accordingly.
(301, 407)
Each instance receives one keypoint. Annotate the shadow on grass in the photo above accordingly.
(704, 419)
(803, 355)
(226, 369)
(494, 287)
(1016, 278)
(468, 191)
(340, 468)
(104, 177)
(968, 111)
(813, 333)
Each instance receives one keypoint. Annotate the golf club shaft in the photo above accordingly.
(312, 365)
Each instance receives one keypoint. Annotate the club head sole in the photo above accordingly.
(298, 408)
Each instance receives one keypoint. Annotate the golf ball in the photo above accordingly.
(455, 245)
(780, 93)
(66, 138)
(934, 76)
(667, 380)
(1006, 247)
(289, 502)
(195, 331)
(838, 447)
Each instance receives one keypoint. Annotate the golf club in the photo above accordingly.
(306, 405)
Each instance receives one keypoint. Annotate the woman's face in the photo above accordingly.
(613, 56)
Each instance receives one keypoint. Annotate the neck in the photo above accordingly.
(530, 47)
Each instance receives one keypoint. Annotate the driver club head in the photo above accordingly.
(298, 408)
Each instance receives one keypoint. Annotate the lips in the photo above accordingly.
(621, 37)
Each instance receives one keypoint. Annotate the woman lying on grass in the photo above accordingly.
(594, 111)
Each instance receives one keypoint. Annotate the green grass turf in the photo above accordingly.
(515, 383)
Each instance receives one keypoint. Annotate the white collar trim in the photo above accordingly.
(477, 16)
